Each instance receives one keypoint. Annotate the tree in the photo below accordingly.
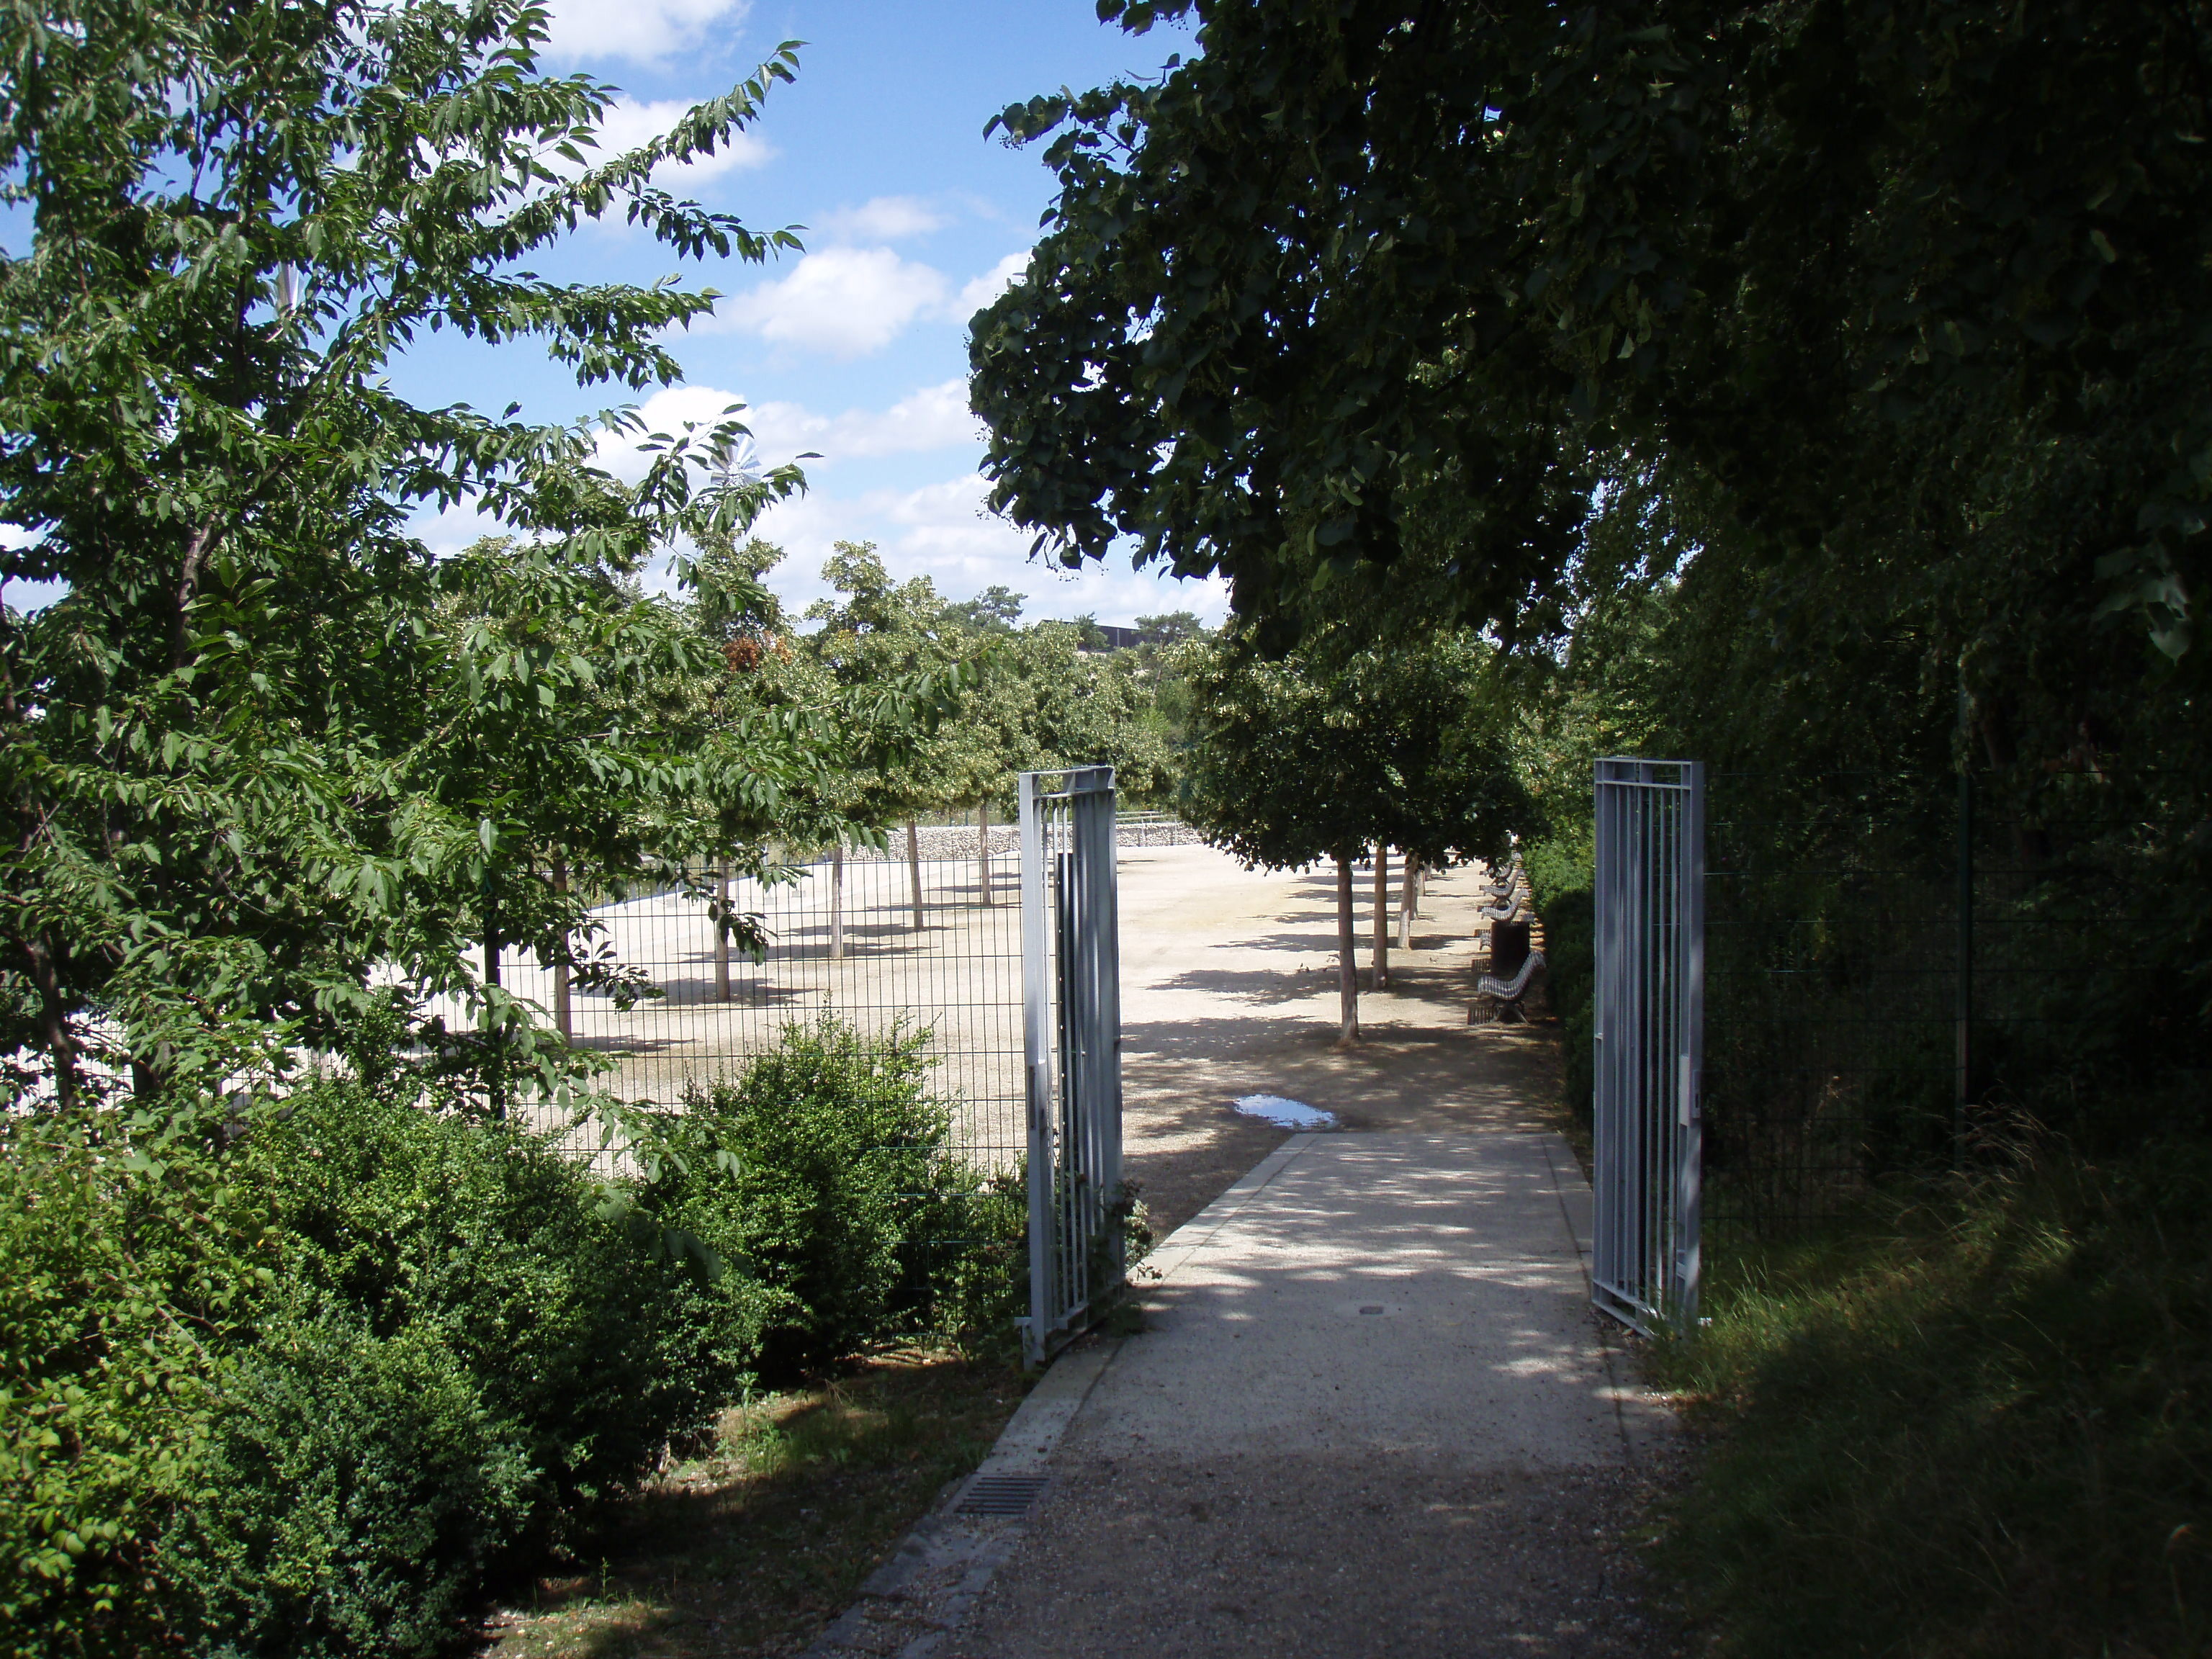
(1175, 628)
(996, 609)
(1338, 747)
(1903, 309)
(252, 753)
(876, 639)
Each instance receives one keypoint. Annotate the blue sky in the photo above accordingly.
(858, 347)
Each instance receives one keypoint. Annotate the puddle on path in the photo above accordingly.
(1285, 1114)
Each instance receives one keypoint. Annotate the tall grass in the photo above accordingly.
(1977, 1420)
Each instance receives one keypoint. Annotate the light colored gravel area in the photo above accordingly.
(960, 841)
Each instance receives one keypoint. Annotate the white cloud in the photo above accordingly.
(667, 411)
(942, 530)
(935, 417)
(882, 219)
(847, 302)
(628, 125)
(448, 531)
(981, 290)
(638, 31)
(850, 302)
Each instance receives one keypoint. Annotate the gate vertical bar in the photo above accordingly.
(1036, 1071)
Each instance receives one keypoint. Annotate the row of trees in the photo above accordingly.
(264, 748)
(264, 745)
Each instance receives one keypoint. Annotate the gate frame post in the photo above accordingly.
(1071, 1047)
(1690, 1146)
(1647, 1119)
(1036, 1071)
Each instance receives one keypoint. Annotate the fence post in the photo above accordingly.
(1690, 1165)
(1036, 1071)
(983, 847)
(914, 870)
(721, 913)
(494, 1028)
(1963, 1078)
(564, 1019)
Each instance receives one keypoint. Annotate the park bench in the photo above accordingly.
(1506, 994)
(1506, 908)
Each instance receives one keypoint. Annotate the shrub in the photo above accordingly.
(470, 1349)
(121, 1282)
(358, 1489)
(300, 1396)
(301, 1390)
(984, 1285)
(836, 1189)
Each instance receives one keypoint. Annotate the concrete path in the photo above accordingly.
(1371, 1415)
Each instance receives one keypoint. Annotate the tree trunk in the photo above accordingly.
(1406, 904)
(722, 930)
(563, 1013)
(1382, 915)
(837, 903)
(493, 1026)
(983, 848)
(913, 869)
(53, 1020)
(1347, 974)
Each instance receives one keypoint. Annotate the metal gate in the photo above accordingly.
(1071, 1042)
(1649, 1039)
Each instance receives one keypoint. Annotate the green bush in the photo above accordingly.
(120, 1285)
(300, 1391)
(301, 1395)
(1562, 880)
(470, 1348)
(358, 1489)
(838, 1191)
(984, 1283)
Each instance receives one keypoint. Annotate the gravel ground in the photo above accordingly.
(957, 840)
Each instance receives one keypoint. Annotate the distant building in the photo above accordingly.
(1107, 637)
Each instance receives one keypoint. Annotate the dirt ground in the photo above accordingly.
(1229, 989)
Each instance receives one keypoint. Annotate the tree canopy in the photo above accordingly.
(1892, 321)
(1375, 287)
(265, 742)
(1339, 745)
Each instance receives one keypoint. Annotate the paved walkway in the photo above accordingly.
(1371, 1415)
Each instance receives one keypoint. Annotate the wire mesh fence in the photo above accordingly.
(921, 934)
(880, 941)
(1896, 970)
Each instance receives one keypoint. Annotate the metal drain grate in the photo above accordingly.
(1001, 1494)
